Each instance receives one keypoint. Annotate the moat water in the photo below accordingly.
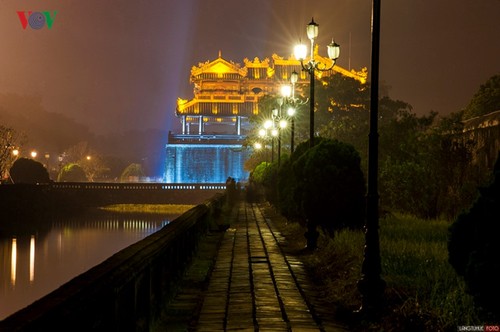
(37, 259)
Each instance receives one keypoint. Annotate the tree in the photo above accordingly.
(330, 187)
(26, 170)
(88, 159)
(10, 141)
(131, 173)
(486, 99)
(94, 167)
(72, 173)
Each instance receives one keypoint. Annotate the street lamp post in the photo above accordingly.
(300, 52)
(291, 110)
(277, 132)
(371, 285)
(274, 133)
(291, 113)
(287, 91)
(278, 125)
(311, 66)
(269, 126)
(263, 136)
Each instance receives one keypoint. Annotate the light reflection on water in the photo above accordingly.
(35, 262)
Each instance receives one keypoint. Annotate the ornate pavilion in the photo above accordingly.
(215, 122)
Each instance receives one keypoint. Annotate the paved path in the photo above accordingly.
(252, 285)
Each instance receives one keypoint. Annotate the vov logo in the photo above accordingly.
(36, 20)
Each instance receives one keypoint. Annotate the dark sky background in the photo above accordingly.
(121, 65)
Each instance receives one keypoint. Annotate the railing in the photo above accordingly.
(127, 291)
(138, 186)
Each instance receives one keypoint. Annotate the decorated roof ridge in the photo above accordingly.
(219, 66)
(256, 63)
(360, 75)
(223, 66)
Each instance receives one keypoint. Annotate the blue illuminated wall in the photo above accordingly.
(205, 163)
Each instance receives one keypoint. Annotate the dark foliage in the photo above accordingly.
(332, 185)
(26, 170)
(486, 99)
(473, 247)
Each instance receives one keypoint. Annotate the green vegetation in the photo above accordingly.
(149, 208)
(72, 173)
(423, 291)
(131, 173)
(486, 99)
(323, 185)
(429, 170)
(421, 283)
(426, 164)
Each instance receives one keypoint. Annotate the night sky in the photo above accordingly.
(121, 65)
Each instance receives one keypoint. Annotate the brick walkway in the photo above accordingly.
(253, 285)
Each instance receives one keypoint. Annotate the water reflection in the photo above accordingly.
(36, 260)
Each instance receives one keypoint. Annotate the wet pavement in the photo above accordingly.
(243, 280)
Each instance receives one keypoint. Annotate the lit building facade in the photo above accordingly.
(215, 122)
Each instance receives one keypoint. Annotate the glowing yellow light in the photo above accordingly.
(300, 51)
(286, 90)
(13, 262)
(32, 259)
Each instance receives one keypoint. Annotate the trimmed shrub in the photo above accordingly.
(72, 173)
(331, 186)
(26, 170)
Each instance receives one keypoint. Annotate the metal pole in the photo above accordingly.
(272, 150)
(292, 134)
(279, 147)
(371, 285)
(311, 106)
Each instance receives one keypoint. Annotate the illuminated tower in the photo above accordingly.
(215, 122)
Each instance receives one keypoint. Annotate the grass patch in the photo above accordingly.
(148, 208)
(422, 287)
(423, 291)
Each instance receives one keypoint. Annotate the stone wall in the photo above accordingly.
(484, 131)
